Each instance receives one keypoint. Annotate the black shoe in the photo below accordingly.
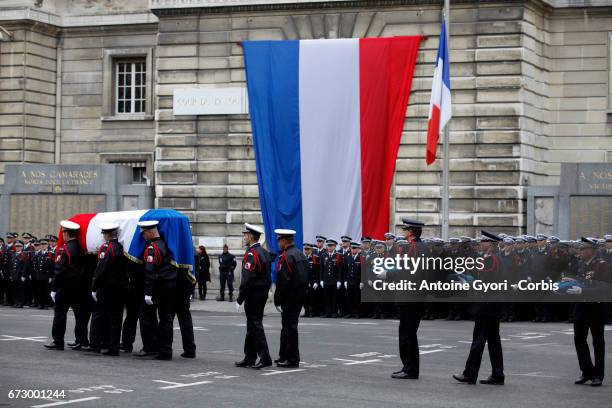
(286, 364)
(111, 353)
(348, 316)
(261, 365)
(463, 379)
(398, 372)
(126, 349)
(91, 349)
(164, 357)
(188, 355)
(596, 382)
(73, 344)
(493, 381)
(78, 347)
(402, 375)
(334, 316)
(231, 298)
(582, 380)
(143, 354)
(243, 363)
(54, 346)
(279, 360)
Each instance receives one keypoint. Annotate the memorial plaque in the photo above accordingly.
(40, 214)
(590, 216)
(585, 205)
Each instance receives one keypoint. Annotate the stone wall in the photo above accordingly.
(27, 95)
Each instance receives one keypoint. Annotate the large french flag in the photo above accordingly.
(440, 110)
(173, 227)
(327, 117)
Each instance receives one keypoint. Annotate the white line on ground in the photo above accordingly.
(429, 351)
(74, 401)
(275, 372)
(354, 362)
(179, 385)
(536, 374)
(13, 338)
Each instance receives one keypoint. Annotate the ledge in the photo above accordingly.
(119, 118)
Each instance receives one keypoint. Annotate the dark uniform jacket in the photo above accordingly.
(159, 272)
(256, 272)
(68, 267)
(19, 266)
(227, 263)
(312, 267)
(42, 266)
(332, 265)
(353, 269)
(291, 275)
(111, 269)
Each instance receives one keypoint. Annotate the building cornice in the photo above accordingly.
(39, 16)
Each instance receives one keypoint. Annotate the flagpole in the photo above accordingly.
(446, 162)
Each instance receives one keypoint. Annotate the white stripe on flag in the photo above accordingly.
(127, 221)
(330, 145)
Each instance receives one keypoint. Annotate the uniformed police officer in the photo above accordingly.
(330, 278)
(486, 321)
(352, 280)
(254, 285)
(108, 290)
(18, 269)
(161, 286)
(42, 274)
(409, 313)
(67, 284)
(590, 316)
(289, 296)
(311, 305)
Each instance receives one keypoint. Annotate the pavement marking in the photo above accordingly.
(54, 404)
(536, 374)
(537, 344)
(421, 352)
(179, 385)
(275, 372)
(361, 323)
(13, 338)
(354, 362)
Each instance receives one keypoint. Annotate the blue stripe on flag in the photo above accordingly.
(443, 54)
(272, 71)
(175, 231)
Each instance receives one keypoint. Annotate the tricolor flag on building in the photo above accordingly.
(440, 110)
(327, 117)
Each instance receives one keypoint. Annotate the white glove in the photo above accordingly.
(370, 283)
(50, 280)
(309, 285)
(360, 285)
(280, 309)
(345, 285)
(315, 286)
(338, 284)
(148, 300)
(23, 278)
(237, 306)
(574, 290)
(321, 284)
(94, 295)
(53, 296)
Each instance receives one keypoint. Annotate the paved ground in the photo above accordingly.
(347, 363)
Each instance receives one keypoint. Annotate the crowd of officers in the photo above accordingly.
(322, 279)
(335, 278)
(26, 270)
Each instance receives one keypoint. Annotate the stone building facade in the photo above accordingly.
(531, 86)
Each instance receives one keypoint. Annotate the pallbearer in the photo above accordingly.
(289, 296)
(67, 285)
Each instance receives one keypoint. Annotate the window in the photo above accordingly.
(127, 84)
(139, 170)
(130, 87)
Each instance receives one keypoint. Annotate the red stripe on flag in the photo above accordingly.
(433, 133)
(83, 220)
(386, 67)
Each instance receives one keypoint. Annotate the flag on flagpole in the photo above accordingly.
(440, 110)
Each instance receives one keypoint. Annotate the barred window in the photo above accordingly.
(130, 88)
(139, 170)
